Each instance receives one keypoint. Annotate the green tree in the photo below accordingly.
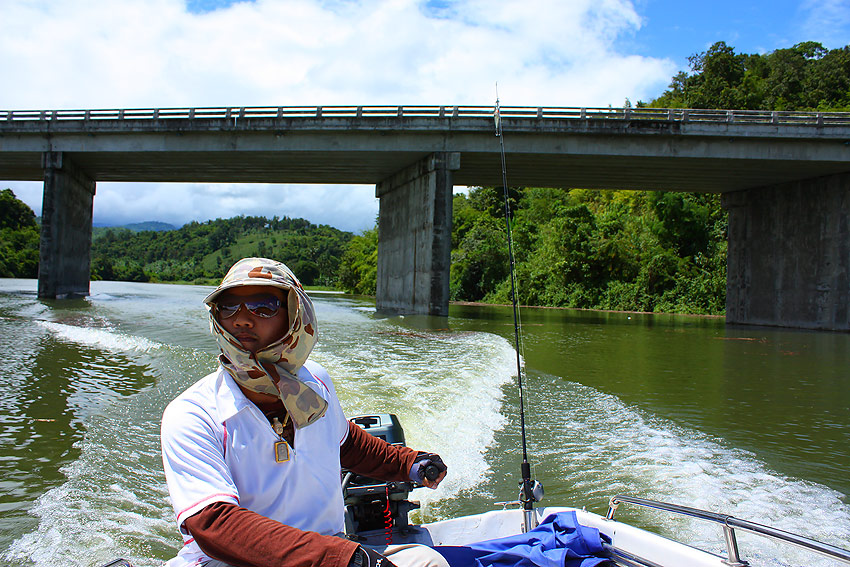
(683, 220)
(718, 74)
(480, 262)
(19, 238)
(359, 265)
(14, 213)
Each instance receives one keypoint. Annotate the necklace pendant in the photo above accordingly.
(281, 451)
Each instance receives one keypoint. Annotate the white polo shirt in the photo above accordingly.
(217, 446)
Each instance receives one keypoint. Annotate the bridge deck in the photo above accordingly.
(673, 149)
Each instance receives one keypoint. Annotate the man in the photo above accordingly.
(253, 452)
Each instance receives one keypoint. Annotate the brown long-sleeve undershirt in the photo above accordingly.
(243, 538)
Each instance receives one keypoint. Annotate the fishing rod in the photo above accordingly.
(532, 491)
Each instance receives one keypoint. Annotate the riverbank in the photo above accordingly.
(482, 304)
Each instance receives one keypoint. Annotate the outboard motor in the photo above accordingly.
(373, 504)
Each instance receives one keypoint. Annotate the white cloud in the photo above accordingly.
(351, 207)
(827, 20)
(156, 53)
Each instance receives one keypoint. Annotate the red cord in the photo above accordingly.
(388, 519)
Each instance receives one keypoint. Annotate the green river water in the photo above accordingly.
(753, 422)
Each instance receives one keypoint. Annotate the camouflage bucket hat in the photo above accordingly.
(255, 271)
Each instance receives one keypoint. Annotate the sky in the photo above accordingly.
(87, 54)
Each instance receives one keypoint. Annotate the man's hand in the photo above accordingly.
(428, 469)
(365, 557)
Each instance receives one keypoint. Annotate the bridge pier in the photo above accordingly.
(789, 254)
(66, 226)
(415, 237)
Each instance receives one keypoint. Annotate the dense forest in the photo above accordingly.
(199, 252)
(625, 250)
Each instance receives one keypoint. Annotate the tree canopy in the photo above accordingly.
(19, 238)
(205, 251)
(806, 76)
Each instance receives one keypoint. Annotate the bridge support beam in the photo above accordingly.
(788, 259)
(64, 264)
(415, 237)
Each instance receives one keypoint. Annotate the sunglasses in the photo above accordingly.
(264, 307)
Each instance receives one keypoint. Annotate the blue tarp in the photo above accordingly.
(559, 541)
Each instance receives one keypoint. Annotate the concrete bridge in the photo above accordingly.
(785, 180)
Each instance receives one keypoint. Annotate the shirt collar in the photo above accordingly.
(231, 399)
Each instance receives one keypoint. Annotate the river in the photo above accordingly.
(751, 422)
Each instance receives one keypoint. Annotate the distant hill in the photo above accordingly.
(150, 225)
(154, 226)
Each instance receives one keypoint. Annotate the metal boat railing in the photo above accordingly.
(795, 118)
(730, 524)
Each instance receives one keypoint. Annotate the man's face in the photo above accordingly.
(251, 329)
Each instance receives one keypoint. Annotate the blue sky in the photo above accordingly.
(166, 53)
(674, 30)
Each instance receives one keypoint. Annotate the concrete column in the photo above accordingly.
(789, 254)
(64, 264)
(415, 237)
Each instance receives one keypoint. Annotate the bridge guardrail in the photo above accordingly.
(414, 111)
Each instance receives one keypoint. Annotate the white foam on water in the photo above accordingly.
(445, 387)
(607, 448)
(99, 338)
